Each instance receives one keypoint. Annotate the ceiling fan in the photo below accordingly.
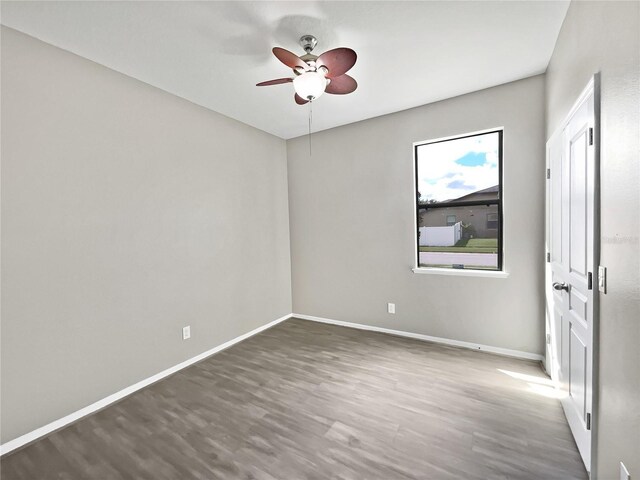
(314, 75)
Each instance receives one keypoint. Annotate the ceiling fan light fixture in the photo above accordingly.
(310, 85)
(315, 75)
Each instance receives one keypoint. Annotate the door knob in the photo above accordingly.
(560, 286)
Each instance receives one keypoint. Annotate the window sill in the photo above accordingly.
(461, 272)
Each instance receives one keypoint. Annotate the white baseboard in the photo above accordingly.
(100, 404)
(446, 341)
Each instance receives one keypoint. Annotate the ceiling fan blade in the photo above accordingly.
(338, 61)
(291, 60)
(300, 100)
(277, 81)
(341, 85)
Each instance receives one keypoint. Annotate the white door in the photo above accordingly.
(570, 273)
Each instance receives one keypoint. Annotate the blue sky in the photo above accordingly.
(472, 159)
(451, 169)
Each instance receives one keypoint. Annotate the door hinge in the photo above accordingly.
(589, 281)
(590, 135)
(588, 421)
(548, 173)
(548, 339)
(548, 257)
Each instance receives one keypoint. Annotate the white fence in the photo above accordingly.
(440, 236)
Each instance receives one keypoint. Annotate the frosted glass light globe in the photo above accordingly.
(310, 85)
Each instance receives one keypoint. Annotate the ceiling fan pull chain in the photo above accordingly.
(310, 120)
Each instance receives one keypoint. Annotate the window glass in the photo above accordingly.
(470, 243)
(460, 168)
(458, 202)
(492, 220)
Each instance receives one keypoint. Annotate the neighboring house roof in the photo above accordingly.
(490, 193)
(482, 193)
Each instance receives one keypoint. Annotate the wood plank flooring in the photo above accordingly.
(304, 400)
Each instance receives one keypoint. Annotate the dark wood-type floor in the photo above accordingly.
(311, 401)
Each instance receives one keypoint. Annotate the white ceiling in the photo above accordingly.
(213, 53)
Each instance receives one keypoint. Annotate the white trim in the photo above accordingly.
(584, 95)
(428, 338)
(462, 272)
(105, 402)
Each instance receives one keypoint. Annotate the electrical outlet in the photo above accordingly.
(186, 332)
(624, 473)
(391, 307)
(602, 279)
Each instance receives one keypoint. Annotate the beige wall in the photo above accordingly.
(605, 37)
(352, 223)
(127, 213)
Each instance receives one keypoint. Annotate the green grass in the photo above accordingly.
(478, 242)
(471, 245)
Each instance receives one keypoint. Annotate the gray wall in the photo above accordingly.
(352, 223)
(127, 213)
(605, 37)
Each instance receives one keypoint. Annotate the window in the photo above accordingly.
(459, 202)
(492, 221)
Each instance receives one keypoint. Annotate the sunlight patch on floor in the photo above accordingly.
(528, 378)
(540, 385)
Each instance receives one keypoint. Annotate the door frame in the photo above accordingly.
(592, 88)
